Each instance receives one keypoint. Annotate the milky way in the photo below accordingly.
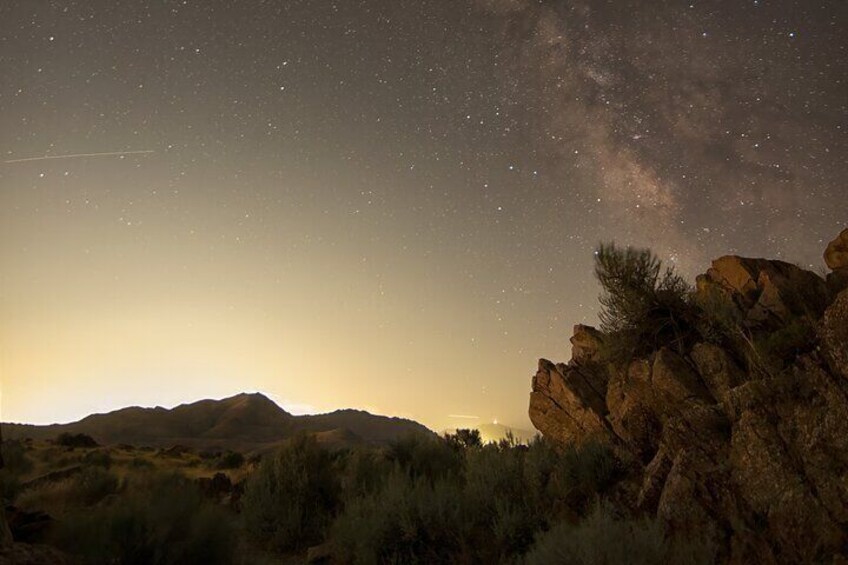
(384, 204)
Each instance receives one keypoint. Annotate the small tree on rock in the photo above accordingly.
(643, 305)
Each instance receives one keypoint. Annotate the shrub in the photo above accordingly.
(157, 519)
(486, 511)
(464, 439)
(495, 504)
(422, 456)
(209, 454)
(15, 464)
(410, 520)
(777, 348)
(15, 459)
(365, 471)
(10, 487)
(86, 488)
(230, 460)
(604, 538)
(141, 463)
(291, 498)
(643, 306)
(589, 470)
(75, 440)
(99, 458)
(94, 484)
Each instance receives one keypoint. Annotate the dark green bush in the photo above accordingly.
(422, 456)
(464, 439)
(486, 510)
(410, 520)
(75, 440)
(365, 471)
(15, 459)
(10, 486)
(230, 460)
(604, 538)
(156, 519)
(87, 488)
(290, 500)
(590, 470)
(93, 485)
(15, 464)
(780, 347)
(141, 463)
(99, 458)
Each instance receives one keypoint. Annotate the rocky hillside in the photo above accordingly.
(245, 422)
(742, 432)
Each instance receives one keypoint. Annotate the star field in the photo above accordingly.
(389, 205)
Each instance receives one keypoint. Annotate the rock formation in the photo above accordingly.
(722, 437)
(836, 257)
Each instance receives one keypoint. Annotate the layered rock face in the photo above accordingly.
(757, 458)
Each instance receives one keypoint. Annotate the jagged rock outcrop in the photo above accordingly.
(836, 257)
(766, 291)
(836, 254)
(753, 451)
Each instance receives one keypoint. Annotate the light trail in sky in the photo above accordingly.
(81, 155)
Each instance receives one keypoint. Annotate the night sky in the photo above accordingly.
(388, 204)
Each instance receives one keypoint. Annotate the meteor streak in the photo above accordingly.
(76, 155)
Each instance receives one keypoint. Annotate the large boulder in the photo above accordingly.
(585, 344)
(565, 404)
(836, 254)
(765, 291)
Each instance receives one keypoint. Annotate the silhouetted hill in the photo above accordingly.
(380, 429)
(245, 422)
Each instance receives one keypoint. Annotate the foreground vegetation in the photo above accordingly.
(421, 500)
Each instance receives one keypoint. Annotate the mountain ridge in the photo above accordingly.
(244, 422)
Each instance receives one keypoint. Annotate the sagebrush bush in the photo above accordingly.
(422, 456)
(365, 471)
(93, 484)
(486, 509)
(604, 538)
(98, 458)
(16, 463)
(75, 440)
(410, 520)
(15, 458)
(156, 519)
(777, 348)
(141, 463)
(230, 460)
(86, 488)
(291, 498)
(464, 439)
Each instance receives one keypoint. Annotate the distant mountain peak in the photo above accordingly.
(246, 421)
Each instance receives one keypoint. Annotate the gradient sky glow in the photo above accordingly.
(383, 204)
